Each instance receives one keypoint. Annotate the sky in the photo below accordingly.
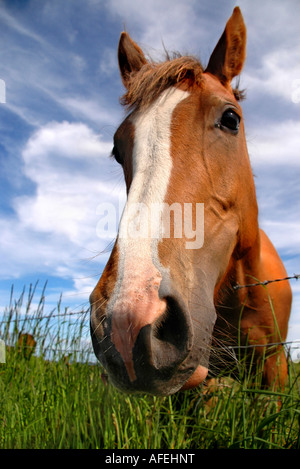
(58, 61)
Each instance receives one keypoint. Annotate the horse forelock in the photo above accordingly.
(145, 85)
(153, 78)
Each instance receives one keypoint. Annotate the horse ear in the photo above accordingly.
(228, 57)
(131, 57)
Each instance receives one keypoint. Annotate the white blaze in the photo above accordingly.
(152, 166)
(135, 301)
(138, 265)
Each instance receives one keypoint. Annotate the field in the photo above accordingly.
(54, 397)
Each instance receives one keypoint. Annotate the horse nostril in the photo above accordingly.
(171, 326)
(171, 335)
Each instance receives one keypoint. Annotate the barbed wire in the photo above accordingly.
(271, 344)
(29, 318)
(49, 348)
(84, 313)
(265, 282)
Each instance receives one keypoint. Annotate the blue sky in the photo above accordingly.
(59, 64)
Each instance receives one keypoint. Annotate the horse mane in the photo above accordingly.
(145, 85)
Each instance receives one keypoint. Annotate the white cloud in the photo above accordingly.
(70, 140)
(90, 110)
(55, 227)
(170, 22)
(108, 62)
(267, 22)
(285, 235)
(277, 74)
(18, 27)
(276, 143)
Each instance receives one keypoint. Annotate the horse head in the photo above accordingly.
(190, 216)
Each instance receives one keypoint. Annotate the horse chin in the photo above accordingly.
(197, 378)
(158, 387)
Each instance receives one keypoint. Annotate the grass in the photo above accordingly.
(56, 398)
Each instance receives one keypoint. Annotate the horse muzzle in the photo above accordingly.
(147, 340)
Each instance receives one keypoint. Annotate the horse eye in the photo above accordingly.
(230, 120)
(115, 153)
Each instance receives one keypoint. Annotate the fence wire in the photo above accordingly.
(85, 317)
(265, 282)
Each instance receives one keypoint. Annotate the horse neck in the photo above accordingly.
(238, 271)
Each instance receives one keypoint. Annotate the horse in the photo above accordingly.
(25, 345)
(165, 313)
